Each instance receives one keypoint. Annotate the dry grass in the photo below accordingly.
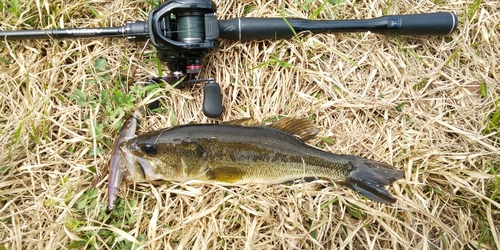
(413, 101)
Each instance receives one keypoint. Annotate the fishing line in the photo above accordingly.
(191, 26)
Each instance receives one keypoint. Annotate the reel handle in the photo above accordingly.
(212, 96)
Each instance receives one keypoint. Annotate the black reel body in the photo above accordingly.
(183, 32)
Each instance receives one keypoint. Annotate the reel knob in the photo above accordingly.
(212, 99)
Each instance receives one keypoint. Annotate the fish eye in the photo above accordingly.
(150, 149)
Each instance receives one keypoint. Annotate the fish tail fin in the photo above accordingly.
(370, 178)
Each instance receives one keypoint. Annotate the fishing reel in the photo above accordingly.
(183, 32)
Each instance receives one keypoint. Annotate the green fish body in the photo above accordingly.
(234, 154)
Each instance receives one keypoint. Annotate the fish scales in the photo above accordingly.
(262, 165)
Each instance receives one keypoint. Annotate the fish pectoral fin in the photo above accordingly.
(300, 127)
(242, 122)
(225, 174)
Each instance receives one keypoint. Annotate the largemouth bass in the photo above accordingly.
(239, 152)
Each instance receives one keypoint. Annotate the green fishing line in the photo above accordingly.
(191, 27)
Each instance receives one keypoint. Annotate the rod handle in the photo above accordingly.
(248, 28)
(438, 24)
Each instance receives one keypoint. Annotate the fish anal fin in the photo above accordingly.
(300, 127)
(225, 174)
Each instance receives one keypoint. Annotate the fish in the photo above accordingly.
(242, 152)
(117, 169)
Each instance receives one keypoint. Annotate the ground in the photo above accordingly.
(427, 105)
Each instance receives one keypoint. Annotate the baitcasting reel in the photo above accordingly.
(183, 31)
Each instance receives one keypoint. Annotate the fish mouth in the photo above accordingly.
(129, 160)
(139, 168)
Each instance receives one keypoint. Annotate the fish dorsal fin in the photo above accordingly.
(242, 122)
(300, 127)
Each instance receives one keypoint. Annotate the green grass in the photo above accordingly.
(273, 62)
(14, 8)
(413, 53)
(452, 56)
(154, 3)
(472, 9)
(121, 217)
(296, 35)
(421, 84)
(328, 203)
(492, 120)
(493, 191)
(388, 10)
(345, 57)
(114, 104)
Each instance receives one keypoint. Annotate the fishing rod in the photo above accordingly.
(184, 31)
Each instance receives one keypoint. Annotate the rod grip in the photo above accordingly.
(439, 23)
(248, 28)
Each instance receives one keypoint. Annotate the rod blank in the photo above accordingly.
(62, 33)
(132, 30)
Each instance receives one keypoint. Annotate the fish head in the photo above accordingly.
(135, 160)
(154, 156)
